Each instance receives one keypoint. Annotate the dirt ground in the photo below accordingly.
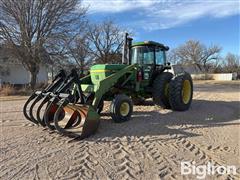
(150, 146)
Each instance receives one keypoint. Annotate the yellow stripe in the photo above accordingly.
(99, 71)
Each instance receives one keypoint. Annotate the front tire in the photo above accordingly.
(181, 92)
(121, 108)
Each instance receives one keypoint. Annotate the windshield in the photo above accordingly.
(143, 55)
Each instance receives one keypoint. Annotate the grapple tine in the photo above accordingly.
(31, 109)
(77, 120)
(49, 113)
(25, 108)
(39, 109)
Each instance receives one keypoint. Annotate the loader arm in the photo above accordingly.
(104, 85)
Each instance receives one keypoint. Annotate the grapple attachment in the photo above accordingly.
(66, 109)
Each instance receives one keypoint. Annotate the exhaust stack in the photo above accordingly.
(126, 52)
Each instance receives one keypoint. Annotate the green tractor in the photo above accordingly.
(72, 105)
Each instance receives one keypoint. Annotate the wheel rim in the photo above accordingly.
(124, 109)
(186, 91)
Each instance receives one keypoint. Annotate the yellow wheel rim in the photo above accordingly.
(166, 89)
(186, 91)
(124, 109)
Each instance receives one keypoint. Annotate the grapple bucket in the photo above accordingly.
(76, 120)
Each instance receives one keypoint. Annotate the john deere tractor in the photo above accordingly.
(72, 105)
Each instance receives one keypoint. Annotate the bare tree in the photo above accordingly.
(106, 42)
(193, 52)
(172, 56)
(231, 63)
(79, 52)
(30, 27)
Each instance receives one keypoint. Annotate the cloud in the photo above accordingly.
(115, 6)
(165, 14)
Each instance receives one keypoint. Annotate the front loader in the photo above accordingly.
(73, 108)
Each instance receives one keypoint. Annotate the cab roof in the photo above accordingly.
(150, 43)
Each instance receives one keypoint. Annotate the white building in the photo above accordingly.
(13, 72)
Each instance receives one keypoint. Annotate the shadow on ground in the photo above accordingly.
(202, 114)
(218, 87)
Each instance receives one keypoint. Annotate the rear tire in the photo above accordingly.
(161, 90)
(181, 92)
(121, 108)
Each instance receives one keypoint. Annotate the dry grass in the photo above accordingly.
(7, 90)
(10, 90)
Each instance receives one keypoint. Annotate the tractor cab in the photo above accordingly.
(148, 53)
(151, 57)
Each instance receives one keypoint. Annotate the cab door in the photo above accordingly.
(145, 57)
(148, 63)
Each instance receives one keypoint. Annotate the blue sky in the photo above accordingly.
(174, 22)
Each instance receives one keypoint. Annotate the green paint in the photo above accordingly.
(101, 71)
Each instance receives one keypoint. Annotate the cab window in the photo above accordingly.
(159, 56)
(143, 55)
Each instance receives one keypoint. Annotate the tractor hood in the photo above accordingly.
(101, 71)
